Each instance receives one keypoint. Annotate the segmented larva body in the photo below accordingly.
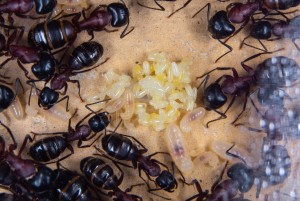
(188, 118)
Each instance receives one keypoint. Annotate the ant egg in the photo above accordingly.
(17, 109)
(187, 119)
(178, 148)
(129, 105)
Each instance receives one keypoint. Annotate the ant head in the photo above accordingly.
(219, 25)
(45, 68)
(214, 97)
(48, 97)
(99, 121)
(261, 30)
(166, 180)
(7, 95)
(119, 13)
(44, 7)
(243, 174)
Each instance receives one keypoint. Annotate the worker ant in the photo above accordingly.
(235, 85)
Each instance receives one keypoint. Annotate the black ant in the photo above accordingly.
(21, 7)
(106, 179)
(44, 150)
(116, 14)
(235, 85)
(263, 30)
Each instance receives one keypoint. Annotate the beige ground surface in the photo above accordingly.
(180, 37)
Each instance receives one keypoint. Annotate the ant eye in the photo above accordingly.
(119, 13)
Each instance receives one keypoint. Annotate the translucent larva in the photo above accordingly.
(115, 105)
(178, 148)
(187, 119)
(17, 109)
(129, 105)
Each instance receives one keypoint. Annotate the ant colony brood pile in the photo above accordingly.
(149, 100)
(154, 95)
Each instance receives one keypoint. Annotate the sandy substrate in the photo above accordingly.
(180, 37)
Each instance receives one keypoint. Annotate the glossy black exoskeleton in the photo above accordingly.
(59, 34)
(25, 178)
(49, 148)
(7, 95)
(115, 14)
(21, 7)
(47, 97)
(121, 147)
(85, 55)
(45, 68)
(241, 179)
(69, 186)
(102, 176)
(272, 75)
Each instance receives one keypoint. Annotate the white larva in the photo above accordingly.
(16, 108)
(178, 148)
(188, 118)
(129, 105)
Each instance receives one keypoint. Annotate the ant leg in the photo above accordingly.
(144, 150)
(5, 62)
(248, 68)
(161, 8)
(25, 141)
(223, 115)
(67, 104)
(32, 84)
(87, 106)
(157, 189)
(234, 155)
(220, 178)
(237, 31)
(84, 118)
(264, 47)
(243, 41)
(227, 46)
(110, 31)
(63, 158)
(123, 34)
(14, 145)
(218, 68)
(201, 195)
(205, 80)
(24, 70)
(79, 145)
(294, 42)
(207, 13)
(244, 108)
(182, 7)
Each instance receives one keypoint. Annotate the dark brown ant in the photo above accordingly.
(24, 176)
(85, 55)
(116, 14)
(50, 148)
(44, 63)
(21, 7)
(69, 185)
(106, 179)
(121, 147)
(235, 85)
(241, 179)
(263, 30)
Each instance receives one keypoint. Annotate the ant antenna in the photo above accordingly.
(234, 155)
(182, 7)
